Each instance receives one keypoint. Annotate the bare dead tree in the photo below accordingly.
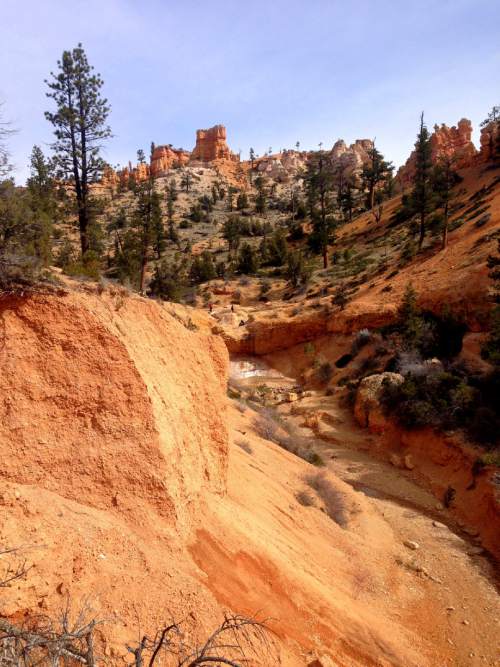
(6, 130)
(232, 643)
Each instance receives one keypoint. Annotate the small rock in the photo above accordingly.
(439, 506)
(395, 460)
(411, 545)
(438, 524)
(465, 622)
(291, 397)
(61, 588)
(450, 608)
(17, 494)
(409, 465)
(473, 532)
(102, 556)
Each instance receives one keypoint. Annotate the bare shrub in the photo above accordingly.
(335, 500)
(244, 445)
(362, 338)
(325, 372)
(241, 406)
(266, 426)
(304, 498)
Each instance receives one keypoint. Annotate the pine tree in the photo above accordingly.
(252, 160)
(411, 323)
(80, 128)
(444, 178)
(202, 268)
(422, 193)
(43, 204)
(247, 260)
(319, 188)
(186, 180)
(296, 269)
(491, 349)
(341, 296)
(277, 248)
(159, 237)
(231, 232)
(261, 199)
(5, 131)
(375, 172)
(242, 201)
(165, 282)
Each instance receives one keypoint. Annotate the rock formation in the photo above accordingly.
(446, 142)
(166, 157)
(489, 139)
(211, 145)
(282, 166)
(351, 159)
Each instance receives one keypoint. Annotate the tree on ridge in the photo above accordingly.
(80, 127)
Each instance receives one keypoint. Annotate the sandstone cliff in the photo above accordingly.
(211, 145)
(446, 142)
(165, 158)
(351, 159)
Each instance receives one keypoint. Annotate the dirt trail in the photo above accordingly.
(457, 608)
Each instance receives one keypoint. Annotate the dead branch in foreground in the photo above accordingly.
(39, 641)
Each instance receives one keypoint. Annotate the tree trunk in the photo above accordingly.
(422, 231)
(143, 272)
(83, 226)
(325, 256)
(445, 229)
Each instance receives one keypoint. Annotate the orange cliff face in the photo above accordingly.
(488, 141)
(446, 142)
(166, 157)
(211, 145)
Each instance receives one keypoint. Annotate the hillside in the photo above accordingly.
(152, 509)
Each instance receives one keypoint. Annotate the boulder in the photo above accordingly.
(367, 408)
(409, 464)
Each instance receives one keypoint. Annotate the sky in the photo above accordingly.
(273, 72)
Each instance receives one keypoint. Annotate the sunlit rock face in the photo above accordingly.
(446, 142)
(166, 157)
(211, 145)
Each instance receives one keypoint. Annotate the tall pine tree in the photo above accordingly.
(319, 188)
(80, 127)
(422, 193)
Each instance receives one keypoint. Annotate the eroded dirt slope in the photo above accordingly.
(118, 482)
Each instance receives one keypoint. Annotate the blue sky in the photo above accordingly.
(273, 72)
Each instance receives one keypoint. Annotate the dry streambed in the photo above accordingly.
(457, 583)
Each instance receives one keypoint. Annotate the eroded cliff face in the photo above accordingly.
(351, 159)
(211, 145)
(106, 415)
(106, 461)
(211, 149)
(116, 475)
(165, 158)
(454, 143)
